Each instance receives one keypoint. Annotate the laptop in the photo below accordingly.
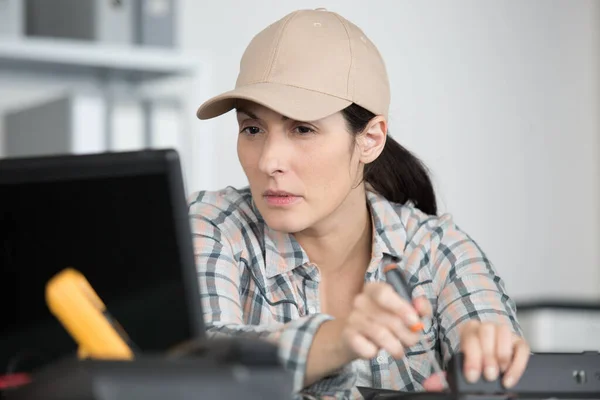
(121, 219)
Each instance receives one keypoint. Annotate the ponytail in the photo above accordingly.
(396, 174)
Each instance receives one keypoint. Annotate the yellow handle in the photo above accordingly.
(73, 301)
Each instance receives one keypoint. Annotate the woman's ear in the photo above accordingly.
(372, 140)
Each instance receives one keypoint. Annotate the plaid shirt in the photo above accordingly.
(258, 282)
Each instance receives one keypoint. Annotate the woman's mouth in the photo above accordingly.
(280, 198)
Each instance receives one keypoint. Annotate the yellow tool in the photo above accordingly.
(82, 313)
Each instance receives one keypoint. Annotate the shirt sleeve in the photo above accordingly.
(219, 283)
(470, 287)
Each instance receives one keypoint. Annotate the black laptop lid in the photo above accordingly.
(121, 220)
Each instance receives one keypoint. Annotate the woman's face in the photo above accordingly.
(300, 173)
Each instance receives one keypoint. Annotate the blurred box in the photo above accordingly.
(165, 129)
(107, 21)
(11, 18)
(560, 326)
(127, 125)
(155, 23)
(74, 124)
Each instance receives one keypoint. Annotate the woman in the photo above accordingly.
(297, 257)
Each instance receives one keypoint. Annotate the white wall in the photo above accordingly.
(500, 98)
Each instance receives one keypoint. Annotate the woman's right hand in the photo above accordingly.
(381, 320)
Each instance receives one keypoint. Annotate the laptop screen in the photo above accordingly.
(120, 220)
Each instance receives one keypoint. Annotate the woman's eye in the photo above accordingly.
(303, 130)
(251, 130)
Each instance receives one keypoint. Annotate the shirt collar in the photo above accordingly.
(283, 253)
(389, 232)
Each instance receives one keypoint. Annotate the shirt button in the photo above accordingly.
(312, 310)
(381, 359)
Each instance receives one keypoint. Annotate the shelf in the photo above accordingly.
(73, 57)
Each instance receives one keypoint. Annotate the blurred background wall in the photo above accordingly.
(501, 99)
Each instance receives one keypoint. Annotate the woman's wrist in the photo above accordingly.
(328, 352)
(339, 349)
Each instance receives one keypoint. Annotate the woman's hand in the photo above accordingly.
(381, 320)
(490, 350)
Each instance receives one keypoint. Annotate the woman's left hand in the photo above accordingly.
(490, 350)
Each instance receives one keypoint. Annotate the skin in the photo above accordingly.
(321, 164)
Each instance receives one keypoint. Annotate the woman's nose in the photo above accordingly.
(274, 154)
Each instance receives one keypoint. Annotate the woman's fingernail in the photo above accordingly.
(413, 319)
(508, 381)
(491, 373)
(472, 375)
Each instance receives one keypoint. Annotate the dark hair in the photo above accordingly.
(396, 174)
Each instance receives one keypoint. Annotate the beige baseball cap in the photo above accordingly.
(306, 66)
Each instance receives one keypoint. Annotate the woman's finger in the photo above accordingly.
(393, 322)
(487, 338)
(423, 306)
(504, 347)
(377, 333)
(382, 337)
(435, 383)
(378, 317)
(471, 348)
(361, 346)
(396, 326)
(518, 364)
(385, 297)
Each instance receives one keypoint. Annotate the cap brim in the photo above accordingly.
(293, 102)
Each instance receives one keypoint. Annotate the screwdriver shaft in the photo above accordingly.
(396, 280)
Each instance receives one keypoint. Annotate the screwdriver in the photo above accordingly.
(396, 280)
